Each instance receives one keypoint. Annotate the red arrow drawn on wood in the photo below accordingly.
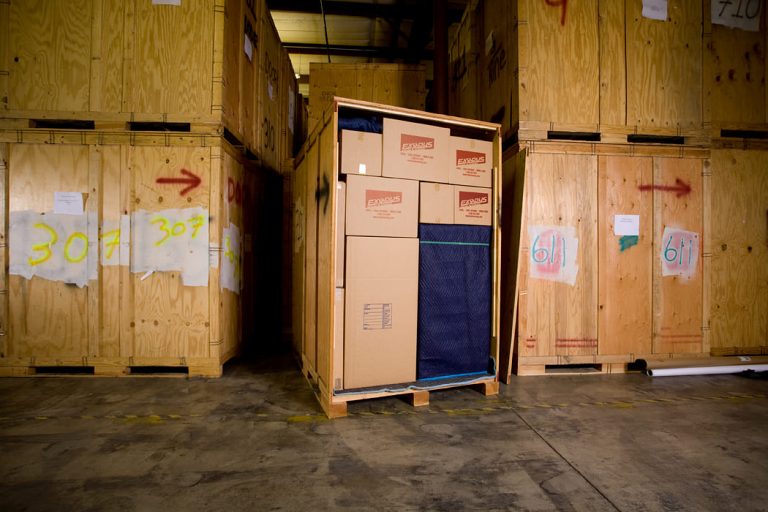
(682, 188)
(192, 180)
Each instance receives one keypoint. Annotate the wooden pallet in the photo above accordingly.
(336, 405)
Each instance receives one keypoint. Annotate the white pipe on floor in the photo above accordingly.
(707, 370)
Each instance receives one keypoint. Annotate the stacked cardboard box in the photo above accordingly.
(410, 174)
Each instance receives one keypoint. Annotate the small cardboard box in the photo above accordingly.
(436, 203)
(381, 311)
(472, 205)
(341, 219)
(471, 162)
(338, 339)
(415, 151)
(382, 206)
(360, 153)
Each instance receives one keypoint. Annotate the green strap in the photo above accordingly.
(453, 243)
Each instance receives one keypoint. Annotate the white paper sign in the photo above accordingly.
(68, 203)
(552, 254)
(743, 14)
(626, 225)
(172, 240)
(655, 9)
(248, 48)
(52, 246)
(231, 259)
(166, 2)
(679, 252)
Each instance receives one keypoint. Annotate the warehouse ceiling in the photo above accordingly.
(359, 31)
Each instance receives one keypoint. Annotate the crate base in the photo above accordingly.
(594, 365)
(119, 367)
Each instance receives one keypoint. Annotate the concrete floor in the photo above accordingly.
(255, 440)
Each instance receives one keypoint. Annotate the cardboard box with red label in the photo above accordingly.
(382, 206)
(472, 205)
(471, 162)
(415, 151)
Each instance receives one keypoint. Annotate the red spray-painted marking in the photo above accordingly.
(192, 181)
(234, 191)
(680, 187)
(563, 4)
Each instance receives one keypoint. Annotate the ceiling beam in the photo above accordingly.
(401, 10)
(337, 8)
(373, 52)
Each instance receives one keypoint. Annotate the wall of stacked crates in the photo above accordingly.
(634, 143)
(143, 147)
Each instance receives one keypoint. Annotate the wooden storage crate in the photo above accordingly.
(99, 299)
(314, 185)
(269, 94)
(402, 85)
(463, 59)
(739, 283)
(117, 62)
(585, 295)
(603, 69)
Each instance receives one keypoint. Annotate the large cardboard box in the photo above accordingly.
(415, 151)
(360, 153)
(436, 203)
(338, 339)
(471, 162)
(380, 311)
(341, 220)
(382, 206)
(472, 205)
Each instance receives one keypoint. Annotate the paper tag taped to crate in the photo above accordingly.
(248, 48)
(655, 9)
(166, 2)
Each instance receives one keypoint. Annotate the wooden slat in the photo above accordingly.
(558, 71)
(560, 318)
(110, 276)
(664, 66)
(47, 318)
(50, 45)
(739, 312)
(326, 246)
(311, 274)
(613, 77)
(513, 190)
(677, 315)
(161, 80)
(299, 252)
(735, 74)
(170, 319)
(624, 310)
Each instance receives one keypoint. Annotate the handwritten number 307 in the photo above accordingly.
(178, 228)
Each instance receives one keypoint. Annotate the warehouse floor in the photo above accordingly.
(255, 440)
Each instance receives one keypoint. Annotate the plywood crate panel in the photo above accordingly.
(269, 94)
(734, 76)
(739, 302)
(103, 292)
(587, 294)
(113, 62)
(463, 60)
(315, 197)
(402, 85)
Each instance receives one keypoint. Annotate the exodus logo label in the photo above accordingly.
(374, 198)
(472, 198)
(469, 157)
(415, 142)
